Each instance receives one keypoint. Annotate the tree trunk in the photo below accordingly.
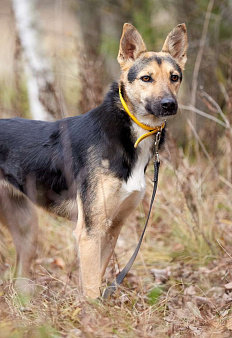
(43, 100)
(90, 62)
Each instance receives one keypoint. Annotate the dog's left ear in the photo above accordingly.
(176, 44)
(131, 45)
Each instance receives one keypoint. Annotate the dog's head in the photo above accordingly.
(151, 80)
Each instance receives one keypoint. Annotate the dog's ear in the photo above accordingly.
(131, 45)
(176, 44)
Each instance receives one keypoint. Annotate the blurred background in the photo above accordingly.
(58, 59)
(64, 52)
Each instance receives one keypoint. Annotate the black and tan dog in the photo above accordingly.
(87, 167)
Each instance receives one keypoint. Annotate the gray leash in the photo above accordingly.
(119, 279)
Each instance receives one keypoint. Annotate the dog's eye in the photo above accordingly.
(174, 78)
(146, 78)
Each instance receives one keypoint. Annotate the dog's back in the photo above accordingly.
(91, 164)
(52, 155)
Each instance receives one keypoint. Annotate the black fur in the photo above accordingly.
(141, 63)
(50, 161)
(159, 60)
(154, 107)
(174, 64)
(55, 155)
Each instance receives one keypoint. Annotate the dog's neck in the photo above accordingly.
(149, 130)
(121, 121)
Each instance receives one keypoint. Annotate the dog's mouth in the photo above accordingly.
(162, 108)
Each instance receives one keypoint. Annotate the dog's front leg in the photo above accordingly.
(95, 220)
(89, 250)
(108, 244)
(90, 264)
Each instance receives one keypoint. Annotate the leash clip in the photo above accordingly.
(157, 141)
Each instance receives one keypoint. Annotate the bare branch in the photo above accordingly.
(208, 116)
(200, 53)
(216, 106)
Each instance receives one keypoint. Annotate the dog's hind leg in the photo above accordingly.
(19, 215)
(89, 256)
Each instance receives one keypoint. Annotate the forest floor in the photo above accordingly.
(179, 286)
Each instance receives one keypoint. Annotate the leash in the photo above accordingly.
(119, 279)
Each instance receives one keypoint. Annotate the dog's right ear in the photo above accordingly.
(176, 44)
(131, 45)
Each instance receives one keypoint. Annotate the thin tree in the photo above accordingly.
(43, 100)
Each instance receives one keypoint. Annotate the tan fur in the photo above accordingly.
(104, 202)
(94, 248)
(109, 201)
(67, 209)
(18, 214)
(138, 91)
(176, 44)
(131, 46)
(107, 216)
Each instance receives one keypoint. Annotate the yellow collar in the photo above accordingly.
(140, 124)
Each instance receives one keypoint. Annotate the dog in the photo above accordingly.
(86, 167)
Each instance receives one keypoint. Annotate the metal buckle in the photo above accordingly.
(157, 141)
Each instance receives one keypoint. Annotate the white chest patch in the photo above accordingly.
(136, 181)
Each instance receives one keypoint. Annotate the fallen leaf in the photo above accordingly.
(59, 262)
(216, 324)
(194, 309)
(76, 312)
(190, 291)
(203, 269)
(226, 221)
(161, 275)
(75, 333)
(178, 247)
(229, 324)
(204, 300)
(195, 330)
(224, 313)
(228, 286)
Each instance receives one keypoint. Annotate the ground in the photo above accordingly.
(179, 286)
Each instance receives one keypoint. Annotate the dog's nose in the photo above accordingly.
(168, 104)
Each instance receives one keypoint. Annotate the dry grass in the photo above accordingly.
(178, 284)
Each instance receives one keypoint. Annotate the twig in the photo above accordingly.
(208, 116)
(225, 94)
(200, 53)
(225, 181)
(216, 106)
(221, 178)
(200, 142)
(224, 248)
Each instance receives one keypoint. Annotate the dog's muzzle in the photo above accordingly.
(167, 106)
